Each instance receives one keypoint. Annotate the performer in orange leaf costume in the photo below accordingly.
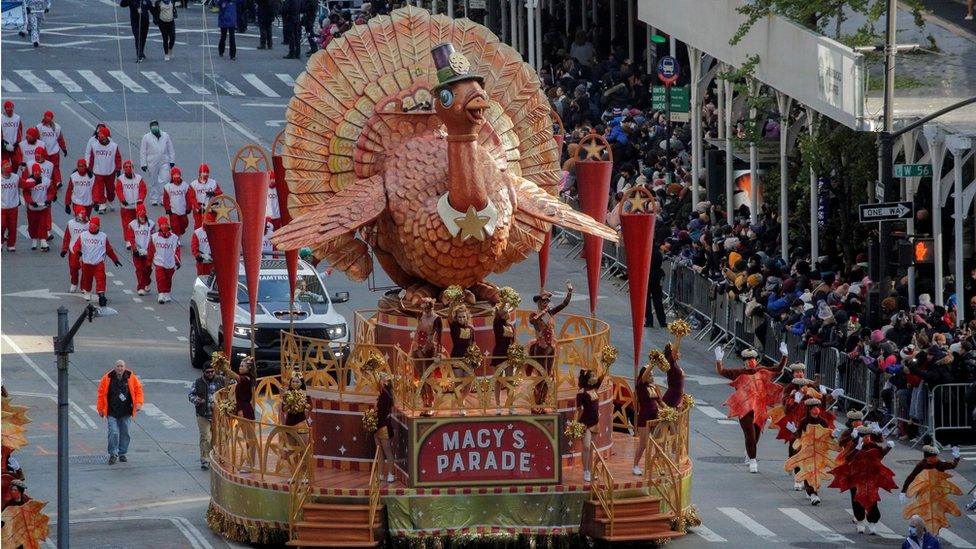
(846, 434)
(755, 391)
(929, 484)
(819, 457)
(864, 475)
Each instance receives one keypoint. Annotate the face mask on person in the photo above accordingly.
(912, 532)
(154, 129)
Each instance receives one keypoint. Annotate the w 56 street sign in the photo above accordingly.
(913, 170)
(886, 211)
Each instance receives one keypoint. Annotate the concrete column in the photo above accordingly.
(467, 7)
(530, 33)
(814, 195)
(729, 157)
(753, 166)
(518, 24)
(694, 60)
(538, 34)
(450, 8)
(720, 99)
(630, 31)
(433, 7)
(959, 146)
(784, 102)
(672, 47)
(937, 149)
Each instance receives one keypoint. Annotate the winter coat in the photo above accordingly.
(227, 18)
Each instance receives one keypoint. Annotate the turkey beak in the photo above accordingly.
(475, 109)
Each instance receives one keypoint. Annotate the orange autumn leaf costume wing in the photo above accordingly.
(24, 525)
(14, 424)
(814, 456)
(753, 393)
(931, 490)
(866, 474)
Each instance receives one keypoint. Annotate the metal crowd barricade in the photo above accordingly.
(948, 408)
(856, 381)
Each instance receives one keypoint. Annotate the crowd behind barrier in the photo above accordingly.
(722, 321)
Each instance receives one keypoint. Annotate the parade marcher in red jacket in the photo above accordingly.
(164, 252)
(204, 188)
(81, 184)
(105, 161)
(10, 192)
(93, 247)
(131, 190)
(25, 149)
(47, 170)
(12, 130)
(38, 195)
(73, 231)
(178, 201)
(141, 230)
(53, 140)
(200, 247)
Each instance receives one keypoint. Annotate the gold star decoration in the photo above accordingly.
(222, 210)
(472, 224)
(251, 161)
(637, 204)
(594, 150)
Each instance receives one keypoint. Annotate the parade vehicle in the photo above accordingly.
(312, 315)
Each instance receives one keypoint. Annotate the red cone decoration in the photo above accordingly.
(251, 190)
(225, 247)
(291, 256)
(637, 218)
(593, 182)
(544, 251)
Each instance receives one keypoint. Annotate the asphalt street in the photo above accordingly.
(160, 496)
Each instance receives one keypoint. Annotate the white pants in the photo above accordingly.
(157, 176)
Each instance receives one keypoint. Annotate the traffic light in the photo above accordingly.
(922, 250)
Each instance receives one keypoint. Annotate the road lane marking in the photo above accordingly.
(149, 308)
(118, 282)
(171, 329)
(706, 534)
(57, 231)
(954, 539)
(181, 338)
(230, 121)
(883, 530)
(287, 79)
(189, 531)
(159, 81)
(711, 412)
(186, 79)
(53, 398)
(33, 80)
(746, 522)
(110, 274)
(8, 86)
(129, 83)
(137, 299)
(127, 291)
(65, 80)
(224, 83)
(81, 411)
(259, 84)
(727, 422)
(154, 412)
(95, 81)
(810, 524)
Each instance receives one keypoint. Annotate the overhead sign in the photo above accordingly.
(680, 98)
(913, 170)
(668, 70)
(459, 451)
(886, 211)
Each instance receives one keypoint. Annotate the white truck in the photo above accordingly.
(313, 315)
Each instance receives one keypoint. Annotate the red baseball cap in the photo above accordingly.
(140, 209)
(176, 171)
(127, 164)
(96, 220)
(103, 132)
(49, 115)
(32, 132)
(81, 163)
(40, 151)
(204, 168)
(36, 169)
(8, 104)
(79, 209)
(163, 220)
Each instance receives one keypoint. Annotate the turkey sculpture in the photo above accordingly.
(443, 183)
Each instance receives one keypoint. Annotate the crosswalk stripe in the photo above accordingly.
(746, 522)
(154, 412)
(159, 81)
(129, 83)
(95, 81)
(65, 80)
(954, 539)
(287, 79)
(711, 412)
(22, 229)
(57, 231)
(34, 81)
(9, 86)
(706, 534)
(972, 517)
(224, 83)
(810, 524)
(259, 84)
(883, 530)
(197, 88)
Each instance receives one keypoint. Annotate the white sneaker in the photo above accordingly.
(753, 466)
(128, 246)
(637, 471)
(860, 527)
(968, 18)
(161, 299)
(141, 291)
(390, 478)
(872, 529)
(745, 461)
(11, 249)
(797, 486)
(587, 477)
(168, 298)
(814, 499)
(166, 57)
(73, 289)
(86, 296)
(44, 246)
(34, 244)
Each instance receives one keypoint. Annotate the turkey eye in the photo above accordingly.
(446, 97)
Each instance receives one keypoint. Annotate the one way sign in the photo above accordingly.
(886, 211)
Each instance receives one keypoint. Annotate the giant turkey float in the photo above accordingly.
(425, 145)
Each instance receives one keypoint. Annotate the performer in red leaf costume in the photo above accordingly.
(864, 475)
(846, 435)
(755, 391)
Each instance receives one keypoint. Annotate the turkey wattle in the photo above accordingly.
(436, 197)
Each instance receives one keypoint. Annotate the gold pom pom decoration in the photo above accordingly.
(679, 329)
(294, 401)
(516, 355)
(574, 430)
(370, 420)
(687, 401)
(373, 363)
(472, 357)
(508, 296)
(219, 361)
(453, 295)
(227, 406)
(658, 360)
(667, 413)
(608, 355)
